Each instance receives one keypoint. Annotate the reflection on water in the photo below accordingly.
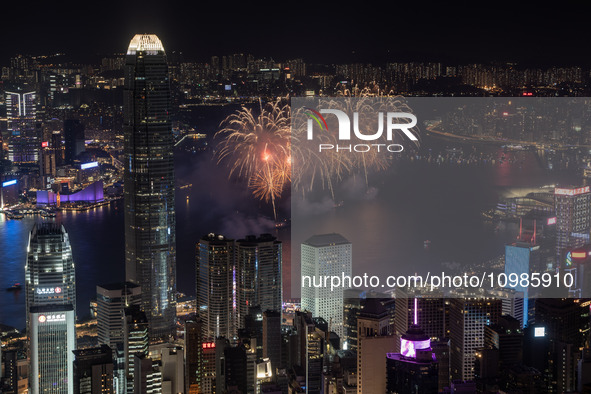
(420, 201)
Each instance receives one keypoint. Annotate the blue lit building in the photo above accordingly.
(520, 257)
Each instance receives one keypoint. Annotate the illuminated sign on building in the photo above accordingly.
(51, 318)
(208, 345)
(539, 332)
(409, 348)
(551, 221)
(48, 290)
(44, 144)
(92, 164)
(9, 183)
(579, 254)
(572, 192)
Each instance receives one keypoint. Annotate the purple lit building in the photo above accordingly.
(92, 193)
(415, 370)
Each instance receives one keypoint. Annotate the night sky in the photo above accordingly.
(453, 32)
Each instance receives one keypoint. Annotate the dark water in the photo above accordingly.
(389, 221)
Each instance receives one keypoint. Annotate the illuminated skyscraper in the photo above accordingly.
(53, 340)
(49, 271)
(112, 300)
(21, 115)
(573, 219)
(326, 254)
(150, 246)
(215, 284)
(74, 136)
(468, 317)
(258, 274)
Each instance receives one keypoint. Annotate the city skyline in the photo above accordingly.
(434, 31)
(109, 218)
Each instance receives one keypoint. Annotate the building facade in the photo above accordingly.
(259, 274)
(49, 271)
(52, 344)
(216, 295)
(150, 246)
(326, 254)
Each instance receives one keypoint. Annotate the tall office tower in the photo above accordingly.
(253, 330)
(507, 337)
(522, 258)
(74, 139)
(414, 369)
(326, 254)
(193, 356)
(468, 316)
(52, 343)
(209, 357)
(352, 304)
(135, 341)
(235, 367)
(511, 303)
(150, 241)
(49, 271)
(573, 219)
(21, 115)
(308, 344)
(430, 311)
(111, 302)
(258, 274)
(272, 338)
(93, 371)
(216, 297)
(373, 342)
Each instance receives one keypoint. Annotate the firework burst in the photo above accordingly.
(257, 148)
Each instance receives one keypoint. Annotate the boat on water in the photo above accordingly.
(14, 287)
(14, 215)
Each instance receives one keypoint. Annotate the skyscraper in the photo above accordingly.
(93, 371)
(258, 274)
(521, 258)
(326, 254)
(573, 219)
(21, 115)
(136, 341)
(193, 356)
(74, 136)
(216, 298)
(468, 316)
(112, 300)
(53, 340)
(49, 271)
(150, 246)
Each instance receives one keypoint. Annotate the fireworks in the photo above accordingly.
(258, 146)
(330, 166)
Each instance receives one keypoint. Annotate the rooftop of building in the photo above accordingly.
(326, 240)
(144, 42)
